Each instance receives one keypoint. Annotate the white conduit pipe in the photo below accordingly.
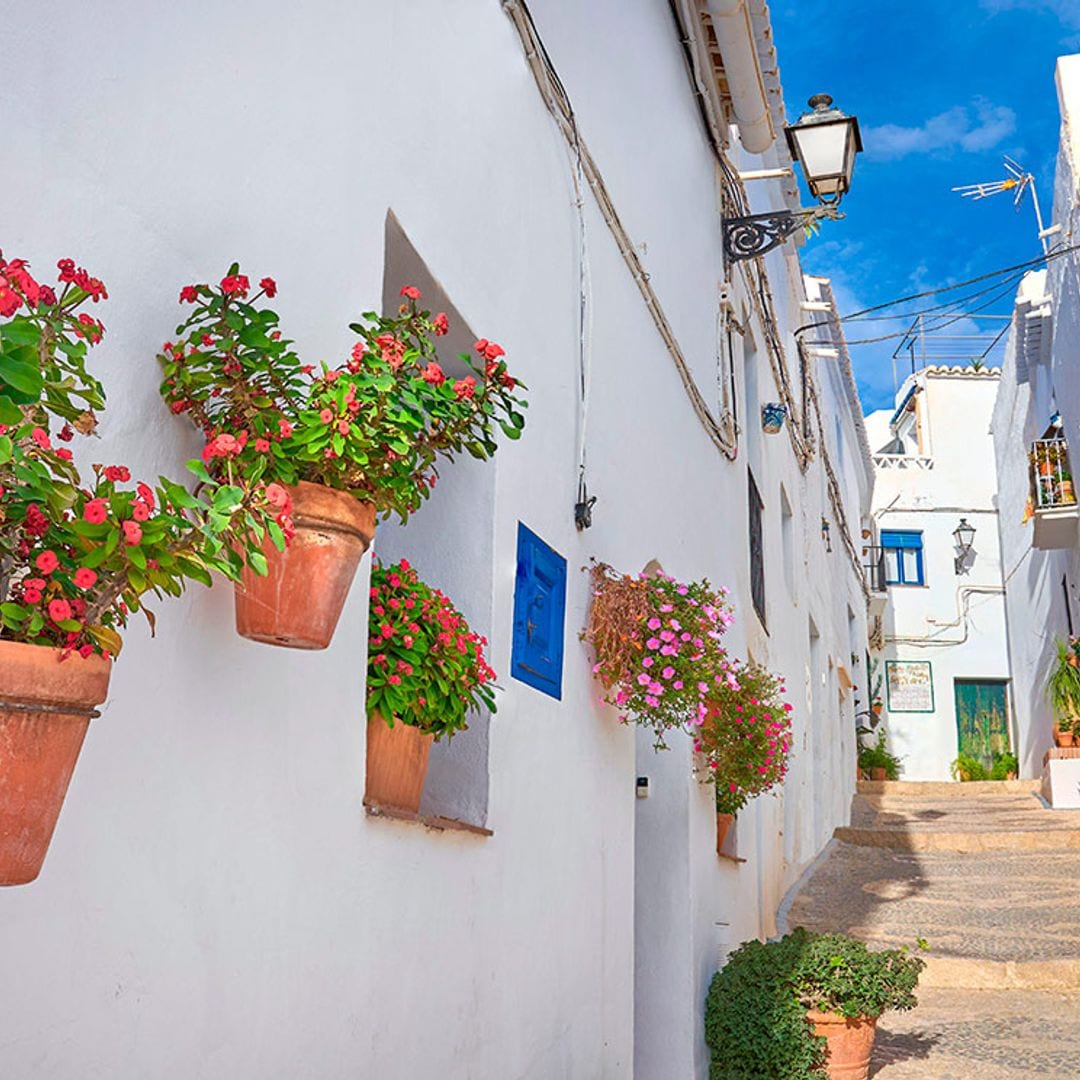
(738, 52)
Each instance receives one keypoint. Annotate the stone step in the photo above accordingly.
(932, 789)
(964, 841)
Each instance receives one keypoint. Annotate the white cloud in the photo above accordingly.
(1067, 12)
(982, 126)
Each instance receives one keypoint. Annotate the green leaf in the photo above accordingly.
(137, 556)
(20, 372)
(6, 447)
(10, 413)
(257, 562)
(198, 469)
(21, 331)
(14, 613)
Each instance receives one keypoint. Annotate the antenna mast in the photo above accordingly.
(1019, 181)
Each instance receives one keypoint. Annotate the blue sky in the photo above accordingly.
(942, 89)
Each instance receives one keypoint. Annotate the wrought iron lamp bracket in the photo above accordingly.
(756, 234)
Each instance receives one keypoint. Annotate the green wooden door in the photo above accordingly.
(982, 718)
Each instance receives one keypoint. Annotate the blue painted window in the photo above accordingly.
(539, 614)
(903, 558)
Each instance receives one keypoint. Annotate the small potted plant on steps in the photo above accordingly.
(337, 447)
(878, 762)
(426, 673)
(77, 555)
(804, 1005)
(1063, 690)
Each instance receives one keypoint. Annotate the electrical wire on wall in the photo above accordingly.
(558, 103)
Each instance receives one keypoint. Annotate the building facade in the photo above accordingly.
(1036, 422)
(217, 902)
(941, 667)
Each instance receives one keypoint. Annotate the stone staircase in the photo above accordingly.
(986, 873)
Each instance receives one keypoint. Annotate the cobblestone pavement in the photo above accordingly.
(995, 905)
(1000, 908)
(981, 1035)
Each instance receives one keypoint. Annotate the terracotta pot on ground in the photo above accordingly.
(298, 603)
(849, 1043)
(46, 705)
(397, 759)
(878, 773)
(876, 709)
(723, 824)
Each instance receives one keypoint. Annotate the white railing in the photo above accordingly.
(903, 461)
(1051, 476)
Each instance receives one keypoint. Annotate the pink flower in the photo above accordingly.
(667, 635)
(47, 562)
(96, 511)
(678, 684)
(433, 374)
(269, 286)
(85, 577)
(326, 415)
(41, 437)
(647, 661)
(669, 650)
(440, 324)
(59, 610)
(668, 672)
(652, 643)
(411, 291)
(654, 702)
(643, 679)
(132, 533)
(262, 445)
(654, 624)
(703, 687)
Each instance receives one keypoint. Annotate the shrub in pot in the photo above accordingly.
(338, 446)
(803, 1005)
(878, 762)
(967, 768)
(1005, 767)
(1063, 690)
(78, 553)
(426, 673)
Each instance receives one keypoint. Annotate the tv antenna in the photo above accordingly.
(1018, 181)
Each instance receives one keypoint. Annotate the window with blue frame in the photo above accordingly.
(903, 558)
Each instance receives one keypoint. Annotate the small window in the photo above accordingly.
(539, 614)
(903, 558)
(757, 549)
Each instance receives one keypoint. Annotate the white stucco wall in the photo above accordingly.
(956, 621)
(216, 903)
(1042, 584)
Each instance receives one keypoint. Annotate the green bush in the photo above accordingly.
(1003, 765)
(755, 1012)
(966, 767)
(878, 757)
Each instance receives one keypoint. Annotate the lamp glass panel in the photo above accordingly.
(823, 151)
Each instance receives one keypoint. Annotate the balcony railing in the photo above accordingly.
(875, 569)
(1051, 475)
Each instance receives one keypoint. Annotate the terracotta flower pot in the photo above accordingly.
(878, 773)
(723, 824)
(876, 708)
(849, 1043)
(46, 705)
(397, 759)
(298, 603)
(1063, 738)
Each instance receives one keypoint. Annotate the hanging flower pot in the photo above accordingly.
(298, 601)
(426, 669)
(368, 431)
(773, 414)
(723, 827)
(849, 1042)
(46, 705)
(397, 760)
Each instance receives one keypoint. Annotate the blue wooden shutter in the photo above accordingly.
(539, 614)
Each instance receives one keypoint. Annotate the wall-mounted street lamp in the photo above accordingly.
(824, 142)
(964, 535)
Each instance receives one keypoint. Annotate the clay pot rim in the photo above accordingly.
(333, 509)
(817, 1017)
(83, 681)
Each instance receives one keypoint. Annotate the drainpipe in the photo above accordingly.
(738, 52)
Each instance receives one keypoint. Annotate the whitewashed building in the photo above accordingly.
(1038, 406)
(217, 903)
(941, 657)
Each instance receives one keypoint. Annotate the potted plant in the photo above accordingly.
(1005, 766)
(340, 445)
(1068, 496)
(967, 768)
(657, 647)
(78, 552)
(878, 761)
(745, 738)
(1063, 690)
(426, 673)
(803, 1005)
